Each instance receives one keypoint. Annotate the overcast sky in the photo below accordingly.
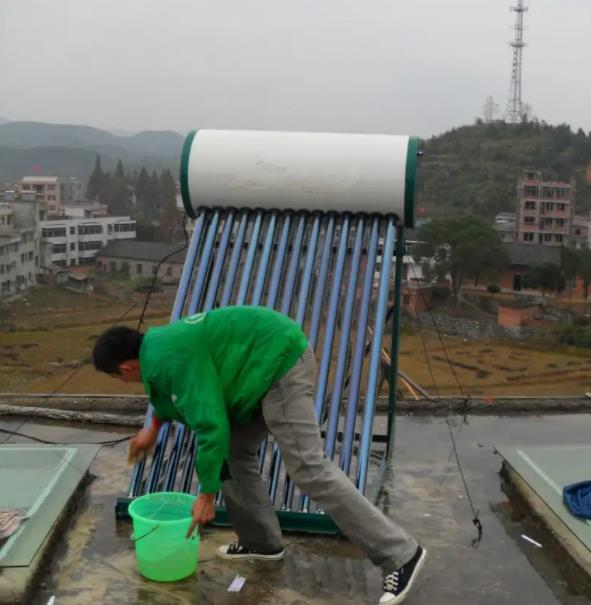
(392, 66)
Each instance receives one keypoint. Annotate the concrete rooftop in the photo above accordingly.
(95, 561)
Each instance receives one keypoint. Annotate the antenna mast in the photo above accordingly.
(514, 111)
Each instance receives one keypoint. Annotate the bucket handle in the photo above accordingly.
(153, 529)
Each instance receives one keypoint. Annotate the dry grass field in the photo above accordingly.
(484, 368)
(54, 335)
(55, 330)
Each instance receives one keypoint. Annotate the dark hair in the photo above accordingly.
(115, 346)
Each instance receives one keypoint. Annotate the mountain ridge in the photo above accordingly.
(468, 168)
(27, 134)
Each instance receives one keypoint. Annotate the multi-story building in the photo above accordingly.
(46, 189)
(85, 209)
(6, 217)
(8, 263)
(580, 233)
(19, 247)
(8, 195)
(71, 189)
(544, 211)
(76, 241)
(505, 226)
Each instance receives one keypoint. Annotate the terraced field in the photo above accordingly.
(54, 330)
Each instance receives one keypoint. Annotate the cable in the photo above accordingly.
(71, 376)
(153, 286)
(428, 360)
(58, 388)
(475, 519)
(465, 397)
(52, 394)
(39, 440)
(18, 433)
(128, 310)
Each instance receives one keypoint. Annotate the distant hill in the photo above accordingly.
(468, 168)
(39, 134)
(70, 150)
(476, 167)
(70, 161)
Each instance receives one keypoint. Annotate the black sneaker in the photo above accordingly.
(238, 552)
(398, 583)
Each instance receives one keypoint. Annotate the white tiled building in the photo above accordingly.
(505, 224)
(19, 247)
(85, 209)
(31, 245)
(71, 190)
(77, 241)
(580, 232)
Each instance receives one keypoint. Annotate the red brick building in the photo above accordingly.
(517, 314)
(416, 298)
(522, 258)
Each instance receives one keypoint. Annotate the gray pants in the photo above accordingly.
(288, 414)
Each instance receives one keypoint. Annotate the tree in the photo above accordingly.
(146, 229)
(577, 263)
(477, 167)
(569, 262)
(117, 197)
(584, 269)
(153, 196)
(4, 315)
(104, 193)
(141, 188)
(97, 180)
(527, 113)
(460, 246)
(169, 213)
(119, 172)
(115, 193)
(490, 110)
(546, 277)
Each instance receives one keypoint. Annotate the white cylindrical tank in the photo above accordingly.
(300, 171)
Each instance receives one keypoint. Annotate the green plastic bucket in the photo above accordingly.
(160, 523)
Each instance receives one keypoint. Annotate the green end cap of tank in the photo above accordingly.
(409, 182)
(186, 154)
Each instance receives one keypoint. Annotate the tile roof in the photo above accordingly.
(530, 255)
(147, 251)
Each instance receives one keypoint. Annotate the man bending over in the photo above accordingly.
(233, 375)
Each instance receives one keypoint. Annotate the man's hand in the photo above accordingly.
(142, 442)
(202, 512)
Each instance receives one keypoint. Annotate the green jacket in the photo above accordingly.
(212, 370)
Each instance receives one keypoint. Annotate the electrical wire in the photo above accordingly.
(59, 387)
(110, 442)
(47, 442)
(162, 260)
(428, 360)
(44, 400)
(475, 512)
(465, 397)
